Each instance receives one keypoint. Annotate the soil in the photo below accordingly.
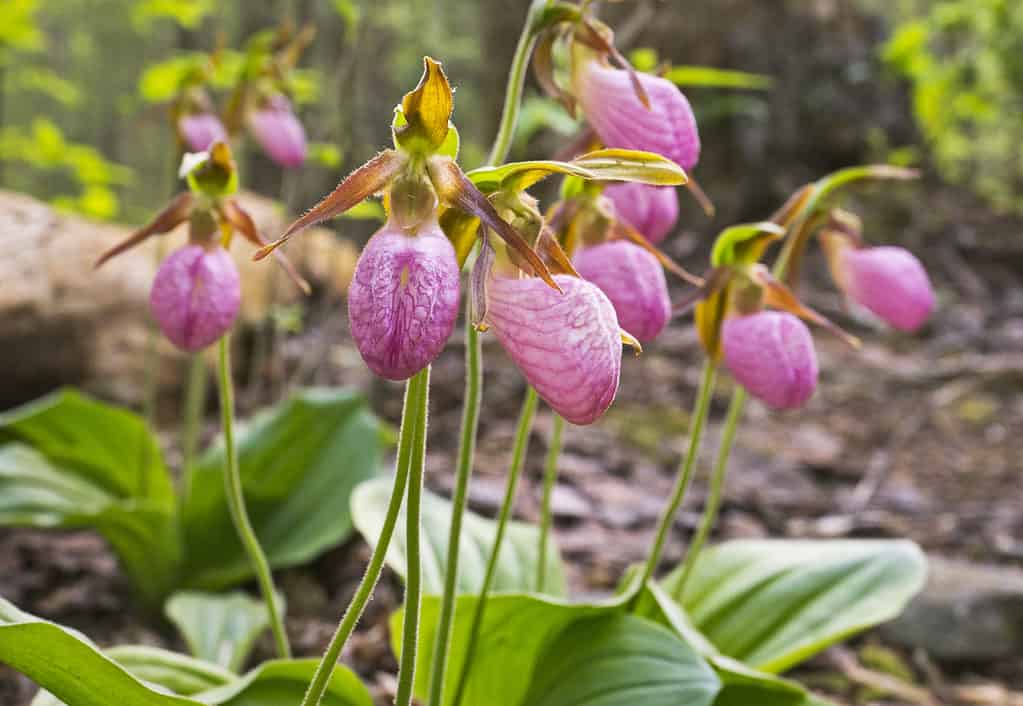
(912, 436)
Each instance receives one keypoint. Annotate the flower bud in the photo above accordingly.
(279, 132)
(195, 296)
(633, 280)
(200, 130)
(771, 354)
(651, 210)
(403, 300)
(888, 281)
(567, 345)
(609, 101)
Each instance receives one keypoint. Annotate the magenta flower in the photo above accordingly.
(279, 132)
(403, 300)
(195, 296)
(633, 280)
(888, 281)
(667, 127)
(200, 130)
(567, 345)
(651, 210)
(771, 354)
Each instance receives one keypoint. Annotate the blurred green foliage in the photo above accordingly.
(964, 59)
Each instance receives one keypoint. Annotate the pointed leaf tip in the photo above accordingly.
(427, 110)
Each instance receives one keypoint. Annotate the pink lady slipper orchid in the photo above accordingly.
(634, 282)
(568, 345)
(403, 299)
(279, 132)
(771, 354)
(200, 130)
(651, 210)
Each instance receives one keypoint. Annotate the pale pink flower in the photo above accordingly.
(651, 210)
(279, 132)
(888, 281)
(771, 354)
(200, 130)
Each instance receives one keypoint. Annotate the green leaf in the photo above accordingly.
(299, 463)
(517, 562)
(187, 13)
(601, 165)
(180, 674)
(621, 659)
(717, 78)
(218, 628)
(774, 603)
(284, 681)
(68, 665)
(72, 462)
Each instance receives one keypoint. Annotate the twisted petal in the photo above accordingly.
(200, 130)
(280, 133)
(403, 300)
(195, 296)
(890, 282)
(567, 345)
(634, 282)
(612, 107)
(771, 354)
(652, 210)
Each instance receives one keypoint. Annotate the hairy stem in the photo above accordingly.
(525, 426)
(466, 451)
(236, 503)
(550, 477)
(414, 389)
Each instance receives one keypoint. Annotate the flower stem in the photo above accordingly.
(717, 484)
(513, 91)
(236, 503)
(195, 404)
(550, 476)
(685, 474)
(414, 569)
(414, 389)
(518, 461)
(466, 451)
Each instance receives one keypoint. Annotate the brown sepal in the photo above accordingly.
(240, 220)
(627, 232)
(779, 296)
(175, 213)
(543, 70)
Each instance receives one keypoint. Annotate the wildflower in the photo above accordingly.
(198, 131)
(651, 210)
(771, 354)
(633, 281)
(279, 132)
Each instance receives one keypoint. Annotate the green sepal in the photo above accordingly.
(215, 176)
(744, 244)
(422, 122)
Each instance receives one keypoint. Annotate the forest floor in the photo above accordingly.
(917, 437)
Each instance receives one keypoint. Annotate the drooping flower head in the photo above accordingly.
(196, 292)
(279, 132)
(200, 130)
(651, 210)
(771, 354)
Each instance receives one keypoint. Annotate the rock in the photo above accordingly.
(567, 503)
(967, 613)
(62, 322)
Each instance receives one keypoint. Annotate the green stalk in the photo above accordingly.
(717, 484)
(195, 404)
(550, 477)
(518, 461)
(414, 390)
(685, 474)
(236, 503)
(414, 569)
(466, 451)
(513, 90)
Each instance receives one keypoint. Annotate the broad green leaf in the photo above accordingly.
(284, 681)
(218, 628)
(621, 659)
(601, 165)
(180, 674)
(517, 562)
(69, 666)
(299, 463)
(717, 78)
(774, 603)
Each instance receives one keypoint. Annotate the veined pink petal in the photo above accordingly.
(652, 210)
(195, 296)
(890, 282)
(279, 132)
(609, 102)
(201, 130)
(567, 345)
(771, 354)
(403, 300)
(633, 280)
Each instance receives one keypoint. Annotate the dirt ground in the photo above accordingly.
(917, 437)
